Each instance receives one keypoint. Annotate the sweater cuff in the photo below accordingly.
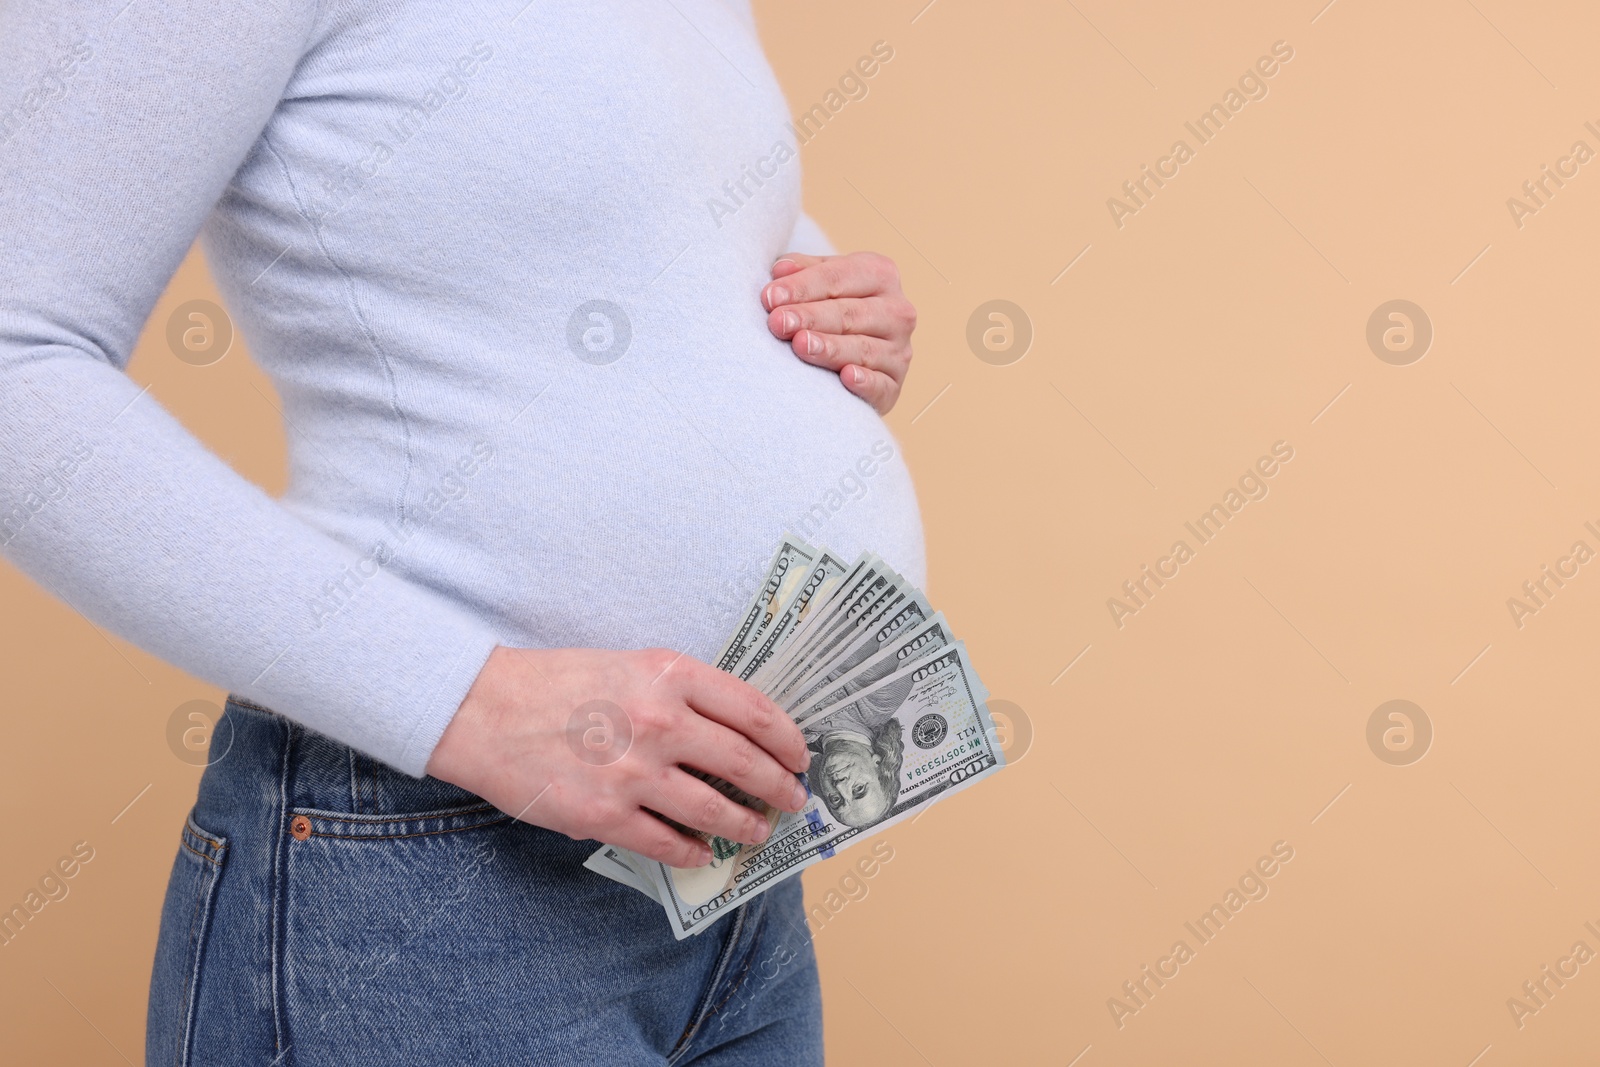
(441, 705)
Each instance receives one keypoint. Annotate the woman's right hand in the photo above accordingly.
(583, 741)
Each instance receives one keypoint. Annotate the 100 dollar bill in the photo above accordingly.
(785, 572)
(902, 650)
(883, 756)
(812, 591)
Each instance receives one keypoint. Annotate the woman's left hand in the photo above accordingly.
(845, 313)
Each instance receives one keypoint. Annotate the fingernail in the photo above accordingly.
(799, 796)
(813, 344)
(791, 321)
(776, 294)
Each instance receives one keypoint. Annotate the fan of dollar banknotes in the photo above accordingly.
(887, 700)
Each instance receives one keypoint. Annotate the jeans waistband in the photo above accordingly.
(269, 752)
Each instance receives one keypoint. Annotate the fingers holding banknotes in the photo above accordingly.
(883, 692)
(512, 743)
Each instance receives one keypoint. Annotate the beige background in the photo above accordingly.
(1230, 713)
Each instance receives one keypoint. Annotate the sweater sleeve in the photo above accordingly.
(120, 126)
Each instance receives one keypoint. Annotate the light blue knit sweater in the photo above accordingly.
(410, 206)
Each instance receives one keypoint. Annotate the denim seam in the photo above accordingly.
(355, 788)
(701, 1009)
(420, 833)
(278, 896)
(214, 861)
(210, 839)
(379, 820)
(194, 948)
(217, 843)
(184, 1006)
(744, 972)
(252, 705)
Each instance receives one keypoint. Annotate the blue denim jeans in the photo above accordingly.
(328, 911)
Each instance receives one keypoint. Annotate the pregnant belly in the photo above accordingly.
(638, 506)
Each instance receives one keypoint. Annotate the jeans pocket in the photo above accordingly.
(392, 927)
(180, 948)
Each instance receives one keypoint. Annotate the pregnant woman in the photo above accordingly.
(548, 411)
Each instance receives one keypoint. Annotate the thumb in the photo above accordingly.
(790, 262)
